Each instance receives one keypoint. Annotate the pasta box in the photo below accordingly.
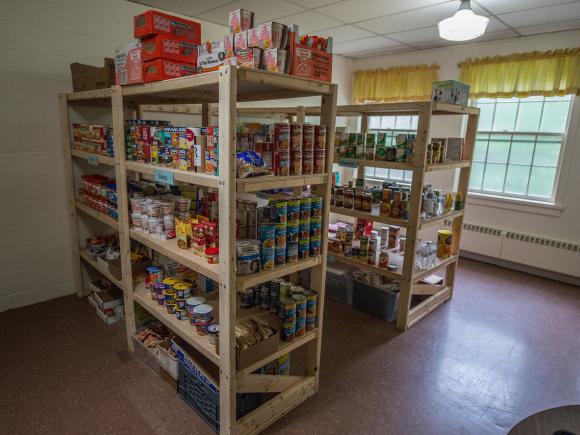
(151, 23)
(169, 47)
(163, 69)
(129, 63)
(450, 91)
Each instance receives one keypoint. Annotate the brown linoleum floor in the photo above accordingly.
(506, 346)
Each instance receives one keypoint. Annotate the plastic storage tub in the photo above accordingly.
(379, 302)
(339, 284)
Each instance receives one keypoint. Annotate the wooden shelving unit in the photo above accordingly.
(226, 87)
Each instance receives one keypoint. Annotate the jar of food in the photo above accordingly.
(367, 202)
(383, 258)
(339, 197)
(348, 198)
(358, 200)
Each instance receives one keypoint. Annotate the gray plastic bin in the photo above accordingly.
(376, 301)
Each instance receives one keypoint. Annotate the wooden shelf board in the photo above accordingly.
(357, 163)
(248, 281)
(101, 159)
(190, 177)
(439, 263)
(107, 220)
(89, 259)
(425, 223)
(182, 256)
(453, 109)
(253, 85)
(421, 310)
(374, 217)
(255, 184)
(182, 328)
(447, 166)
(98, 94)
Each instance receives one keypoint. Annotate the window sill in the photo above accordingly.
(515, 204)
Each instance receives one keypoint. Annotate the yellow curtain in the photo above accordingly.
(550, 73)
(406, 83)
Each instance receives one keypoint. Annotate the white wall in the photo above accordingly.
(38, 41)
(564, 225)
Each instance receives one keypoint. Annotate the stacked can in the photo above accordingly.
(319, 149)
(296, 149)
(281, 230)
(275, 285)
(268, 245)
(288, 316)
(293, 230)
(281, 149)
(363, 249)
(304, 228)
(300, 300)
(315, 225)
(372, 249)
(311, 298)
(154, 276)
(307, 149)
(405, 198)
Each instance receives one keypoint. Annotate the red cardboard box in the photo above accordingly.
(163, 69)
(129, 63)
(309, 62)
(157, 23)
(169, 47)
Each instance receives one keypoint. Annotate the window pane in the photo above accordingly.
(547, 151)
(542, 182)
(517, 179)
(403, 122)
(408, 175)
(480, 150)
(369, 172)
(529, 116)
(498, 149)
(555, 117)
(522, 150)
(387, 122)
(485, 116)
(505, 116)
(381, 173)
(414, 122)
(476, 175)
(396, 174)
(493, 177)
(374, 122)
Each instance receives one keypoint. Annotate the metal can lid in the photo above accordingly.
(214, 328)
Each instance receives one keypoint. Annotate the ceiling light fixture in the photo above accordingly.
(464, 25)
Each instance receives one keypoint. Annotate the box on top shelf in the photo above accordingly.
(268, 35)
(163, 69)
(310, 56)
(169, 47)
(210, 56)
(151, 23)
(88, 77)
(240, 20)
(129, 63)
(275, 60)
(450, 91)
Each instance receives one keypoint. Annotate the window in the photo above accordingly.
(391, 125)
(518, 146)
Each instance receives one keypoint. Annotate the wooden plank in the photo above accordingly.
(228, 87)
(369, 216)
(98, 94)
(419, 156)
(205, 114)
(283, 348)
(185, 257)
(439, 264)
(374, 164)
(70, 193)
(102, 160)
(428, 305)
(169, 88)
(283, 82)
(425, 223)
(266, 383)
(454, 109)
(247, 281)
(106, 219)
(99, 267)
(182, 328)
(447, 166)
(255, 184)
(197, 178)
(351, 261)
(123, 210)
(426, 289)
(259, 419)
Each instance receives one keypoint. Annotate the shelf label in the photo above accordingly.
(330, 258)
(163, 177)
(92, 160)
(348, 163)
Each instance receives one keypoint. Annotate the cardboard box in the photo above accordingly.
(129, 63)
(152, 23)
(163, 69)
(137, 268)
(450, 91)
(169, 47)
(247, 357)
(275, 60)
(240, 20)
(88, 77)
(309, 62)
(210, 56)
(268, 35)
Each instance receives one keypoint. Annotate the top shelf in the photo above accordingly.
(253, 85)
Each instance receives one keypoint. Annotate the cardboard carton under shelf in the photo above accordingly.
(137, 268)
(253, 354)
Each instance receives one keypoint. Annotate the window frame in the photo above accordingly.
(562, 166)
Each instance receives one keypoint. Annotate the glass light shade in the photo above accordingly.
(463, 26)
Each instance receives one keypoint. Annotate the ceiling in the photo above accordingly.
(363, 28)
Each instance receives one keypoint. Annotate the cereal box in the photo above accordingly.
(152, 23)
(240, 20)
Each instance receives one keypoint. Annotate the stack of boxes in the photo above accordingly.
(166, 47)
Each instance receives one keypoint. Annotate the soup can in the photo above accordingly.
(315, 246)
(292, 252)
(310, 321)
(292, 232)
(316, 206)
(246, 298)
(305, 208)
(267, 233)
(287, 310)
(288, 330)
(319, 162)
(315, 227)
(280, 259)
(296, 136)
(293, 210)
(304, 229)
(154, 275)
(295, 162)
(311, 297)
(275, 295)
(281, 230)
(282, 162)
(307, 162)
(308, 137)
(281, 212)
(268, 258)
(303, 249)
(319, 137)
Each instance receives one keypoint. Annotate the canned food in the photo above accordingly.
(320, 137)
(288, 310)
(315, 246)
(296, 136)
(393, 240)
(304, 229)
(281, 136)
(315, 227)
(285, 291)
(267, 234)
(307, 161)
(293, 210)
(281, 162)
(182, 290)
(292, 252)
(348, 198)
(303, 249)
(170, 308)
(305, 208)
(319, 161)
(384, 258)
(265, 296)
(281, 211)
(154, 275)
(296, 162)
(288, 331)
(280, 255)
(367, 202)
(307, 137)
(181, 304)
(310, 321)
(268, 260)
(180, 314)
(364, 243)
(281, 230)
(169, 297)
(248, 256)
(316, 206)
(203, 313)
(311, 298)
(293, 232)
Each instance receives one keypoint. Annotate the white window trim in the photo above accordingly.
(548, 208)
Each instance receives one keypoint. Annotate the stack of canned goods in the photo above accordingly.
(289, 230)
(375, 146)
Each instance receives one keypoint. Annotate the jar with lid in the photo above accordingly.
(339, 197)
(349, 198)
(367, 205)
(358, 200)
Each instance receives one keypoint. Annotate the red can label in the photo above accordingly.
(307, 161)
(307, 137)
(282, 136)
(319, 161)
(320, 137)
(282, 162)
(295, 162)
(295, 136)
